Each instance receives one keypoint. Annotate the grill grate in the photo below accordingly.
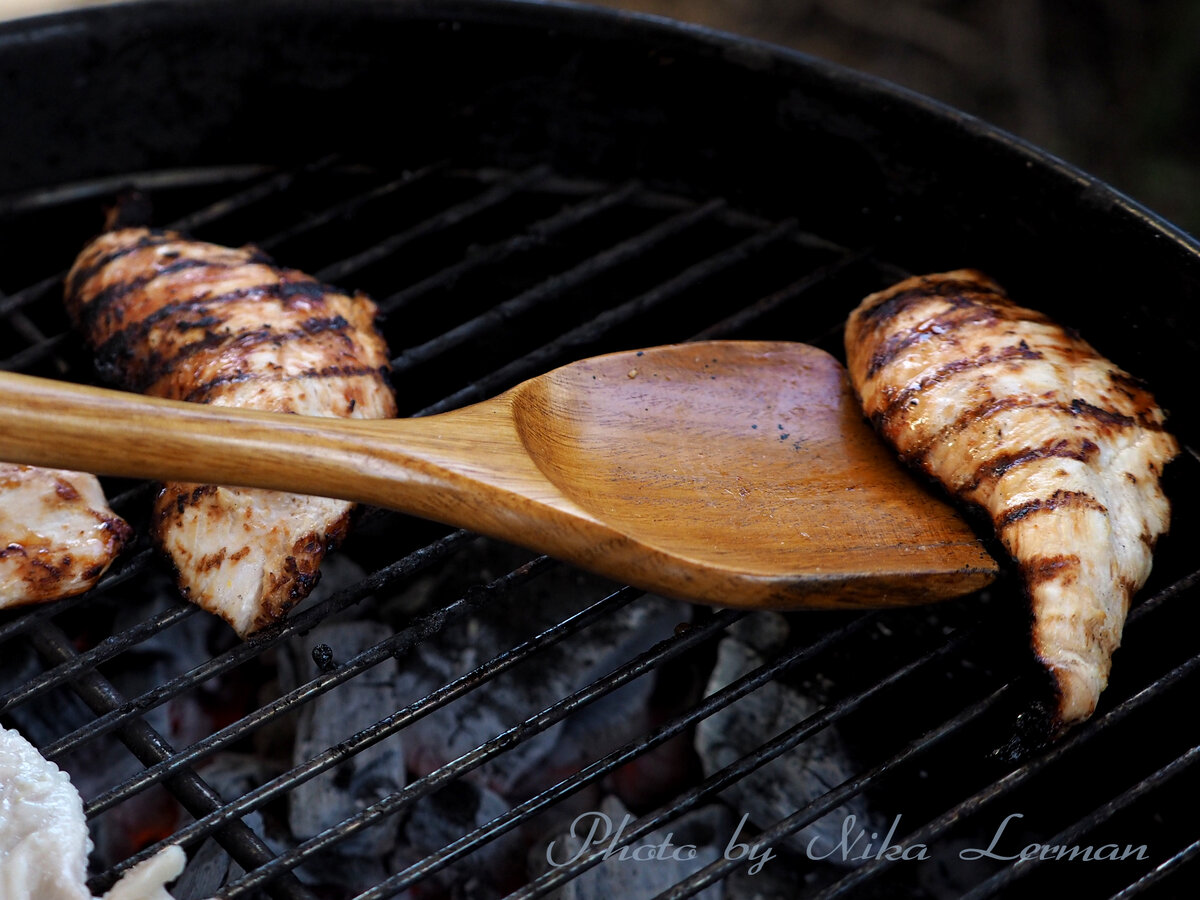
(488, 277)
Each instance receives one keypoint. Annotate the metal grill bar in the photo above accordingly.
(206, 215)
(711, 704)
(721, 779)
(1069, 836)
(785, 296)
(44, 612)
(36, 291)
(1082, 735)
(454, 215)
(269, 187)
(107, 649)
(351, 205)
(173, 768)
(819, 806)
(636, 668)
(149, 746)
(395, 646)
(555, 286)
(34, 353)
(402, 718)
(1160, 872)
(105, 187)
(298, 623)
(534, 235)
(555, 350)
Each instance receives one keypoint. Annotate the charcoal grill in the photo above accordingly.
(521, 184)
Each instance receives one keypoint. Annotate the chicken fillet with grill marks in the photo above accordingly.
(57, 534)
(194, 321)
(1021, 417)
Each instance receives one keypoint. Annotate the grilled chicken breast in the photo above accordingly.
(1021, 417)
(194, 321)
(57, 534)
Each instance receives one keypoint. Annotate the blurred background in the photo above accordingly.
(1109, 85)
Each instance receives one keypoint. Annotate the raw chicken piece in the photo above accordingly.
(57, 534)
(1020, 416)
(194, 321)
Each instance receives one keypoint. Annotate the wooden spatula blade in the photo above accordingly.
(768, 438)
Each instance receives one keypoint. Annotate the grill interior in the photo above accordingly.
(488, 277)
(493, 264)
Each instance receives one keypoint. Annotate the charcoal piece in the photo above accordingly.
(779, 879)
(648, 866)
(333, 717)
(807, 771)
(442, 818)
(209, 867)
(554, 673)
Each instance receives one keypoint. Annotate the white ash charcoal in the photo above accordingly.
(330, 875)
(352, 706)
(530, 687)
(595, 730)
(207, 869)
(336, 876)
(45, 718)
(646, 867)
(443, 817)
(789, 782)
(764, 632)
(231, 775)
(779, 879)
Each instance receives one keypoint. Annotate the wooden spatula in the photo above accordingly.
(734, 473)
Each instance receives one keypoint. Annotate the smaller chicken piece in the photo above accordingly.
(57, 534)
(44, 842)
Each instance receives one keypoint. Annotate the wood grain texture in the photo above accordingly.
(733, 473)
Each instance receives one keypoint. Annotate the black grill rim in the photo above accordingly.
(859, 90)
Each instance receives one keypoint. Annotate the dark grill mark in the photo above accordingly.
(195, 395)
(1058, 500)
(1107, 416)
(194, 324)
(1130, 385)
(81, 276)
(949, 370)
(976, 414)
(104, 299)
(183, 499)
(308, 290)
(1006, 462)
(945, 323)
(159, 368)
(65, 490)
(1040, 569)
(1112, 417)
(123, 348)
(958, 291)
(318, 325)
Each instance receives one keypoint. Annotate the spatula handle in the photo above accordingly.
(69, 426)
